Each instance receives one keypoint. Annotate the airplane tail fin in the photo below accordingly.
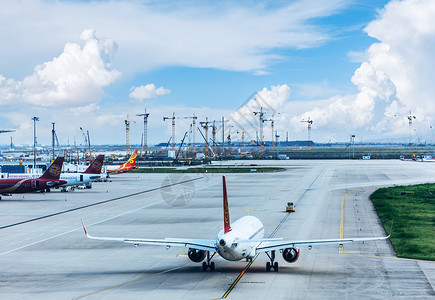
(227, 225)
(95, 166)
(131, 163)
(53, 172)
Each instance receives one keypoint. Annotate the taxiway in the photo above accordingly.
(44, 253)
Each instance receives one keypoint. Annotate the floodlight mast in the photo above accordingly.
(34, 142)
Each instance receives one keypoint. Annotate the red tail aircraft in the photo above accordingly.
(126, 167)
(48, 180)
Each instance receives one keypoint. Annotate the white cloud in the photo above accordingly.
(147, 91)
(396, 76)
(75, 78)
(270, 100)
(228, 35)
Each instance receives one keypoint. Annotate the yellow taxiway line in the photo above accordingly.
(340, 249)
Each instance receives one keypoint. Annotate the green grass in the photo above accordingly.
(210, 170)
(413, 233)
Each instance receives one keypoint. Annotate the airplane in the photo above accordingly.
(243, 239)
(126, 167)
(23, 185)
(92, 173)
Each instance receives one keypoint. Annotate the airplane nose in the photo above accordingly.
(222, 242)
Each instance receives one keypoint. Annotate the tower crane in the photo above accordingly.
(127, 135)
(243, 138)
(206, 125)
(272, 123)
(145, 132)
(261, 114)
(87, 143)
(173, 128)
(309, 123)
(193, 129)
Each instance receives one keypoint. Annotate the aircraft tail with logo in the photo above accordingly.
(53, 172)
(126, 167)
(96, 166)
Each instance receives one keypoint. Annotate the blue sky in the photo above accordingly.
(91, 63)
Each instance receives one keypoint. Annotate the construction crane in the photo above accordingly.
(272, 123)
(145, 132)
(243, 138)
(193, 130)
(229, 138)
(261, 114)
(205, 125)
(54, 139)
(309, 123)
(173, 129)
(127, 136)
(87, 143)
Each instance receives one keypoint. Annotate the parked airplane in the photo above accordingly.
(22, 185)
(241, 240)
(92, 173)
(125, 167)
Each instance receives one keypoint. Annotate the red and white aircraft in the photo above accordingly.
(241, 240)
(125, 167)
(48, 180)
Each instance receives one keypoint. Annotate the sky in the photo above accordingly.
(353, 67)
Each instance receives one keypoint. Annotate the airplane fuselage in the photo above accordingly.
(245, 228)
(26, 185)
(70, 178)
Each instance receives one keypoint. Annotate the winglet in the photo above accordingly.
(84, 227)
(227, 225)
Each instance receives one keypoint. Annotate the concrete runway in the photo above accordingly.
(45, 255)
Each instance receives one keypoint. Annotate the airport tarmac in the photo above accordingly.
(44, 253)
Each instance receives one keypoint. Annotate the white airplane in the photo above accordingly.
(92, 173)
(241, 240)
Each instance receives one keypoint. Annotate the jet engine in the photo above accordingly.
(196, 255)
(290, 254)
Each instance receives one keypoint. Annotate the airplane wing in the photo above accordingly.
(207, 245)
(310, 243)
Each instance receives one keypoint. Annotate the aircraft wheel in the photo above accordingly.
(268, 266)
(212, 266)
(275, 266)
(204, 266)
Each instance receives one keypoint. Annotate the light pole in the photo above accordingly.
(34, 142)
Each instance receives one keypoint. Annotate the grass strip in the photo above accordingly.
(413, 210)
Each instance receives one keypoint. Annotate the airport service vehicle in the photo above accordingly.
(126, 167)
(290, 207)
(48, 180)
(92, 173)
(244, 239)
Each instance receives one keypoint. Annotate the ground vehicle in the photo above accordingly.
(290, 207)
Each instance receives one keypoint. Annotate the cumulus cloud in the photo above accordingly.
(75, 78)
(271, 101)
(395, 77)
(148, 91)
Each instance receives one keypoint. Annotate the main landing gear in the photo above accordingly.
(272, 264)
(208, 264)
